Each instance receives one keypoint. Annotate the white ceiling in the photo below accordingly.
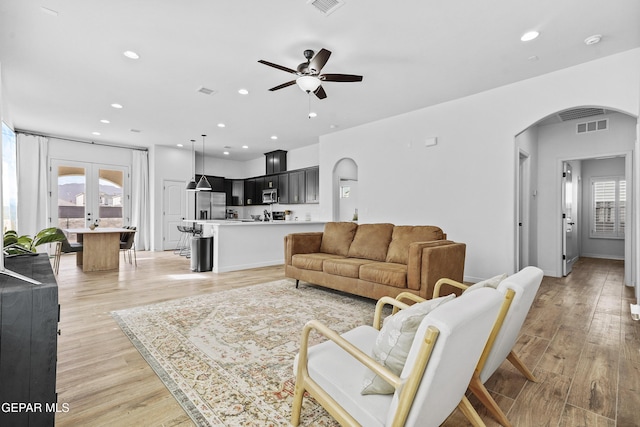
(61, 72)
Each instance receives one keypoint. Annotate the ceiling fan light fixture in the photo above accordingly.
(308, 83)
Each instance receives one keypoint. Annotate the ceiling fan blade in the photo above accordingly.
(320, 93)
(283, 85)
(279, 67)
(340, 78)
(318, 61)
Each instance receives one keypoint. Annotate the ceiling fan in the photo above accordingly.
(309, 78)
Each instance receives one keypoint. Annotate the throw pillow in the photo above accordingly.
(394, 342)
(488, 283)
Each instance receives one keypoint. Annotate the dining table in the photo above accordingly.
(100, 247)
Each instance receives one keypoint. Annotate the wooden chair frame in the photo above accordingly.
(408, 388)
(476, 386)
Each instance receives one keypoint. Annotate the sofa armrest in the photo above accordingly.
(430, 261)
(301, 243)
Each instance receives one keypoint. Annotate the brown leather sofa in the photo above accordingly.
(374, 260)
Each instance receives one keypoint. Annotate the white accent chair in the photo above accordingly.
(520, 291)
(442, 358)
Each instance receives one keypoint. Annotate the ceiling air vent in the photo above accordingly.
(593, 126)
(326, 6)
(579, 113)
(206, 90)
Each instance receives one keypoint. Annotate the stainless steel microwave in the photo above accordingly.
(270, 196)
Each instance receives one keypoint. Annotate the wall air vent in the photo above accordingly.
(206, 90)
(593, 126)
(326, 6)
(579, 113)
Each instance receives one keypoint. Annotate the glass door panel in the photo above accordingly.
(72, 196)
(110, 206)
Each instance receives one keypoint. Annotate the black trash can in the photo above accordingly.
(201, 253)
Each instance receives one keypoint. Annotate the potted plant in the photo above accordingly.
(13, 244)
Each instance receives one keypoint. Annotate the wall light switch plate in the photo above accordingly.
(635, 311)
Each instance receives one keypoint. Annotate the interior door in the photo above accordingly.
(88, 193)
(174, 212)
(569, 219)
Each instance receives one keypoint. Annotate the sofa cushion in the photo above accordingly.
(386, 273)
(337, 237)
(404, 235)
(311, 261)
(371, 241)
(394, 342)
(346, 267)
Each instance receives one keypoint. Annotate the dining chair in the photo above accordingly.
(63, 246)
(128, 245)
(432, 383)
(520, 291)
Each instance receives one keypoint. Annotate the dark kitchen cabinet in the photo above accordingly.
(283, 188)
(312, 185)
(250, 192)
(234, 189)
(260, 185)
(271, 182)
(296, 187)
(276, 161)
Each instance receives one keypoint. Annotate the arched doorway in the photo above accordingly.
(589, 140)
(345, 190)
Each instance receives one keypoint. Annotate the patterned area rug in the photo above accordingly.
(227, 357)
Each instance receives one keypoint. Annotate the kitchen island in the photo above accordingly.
(239, 245)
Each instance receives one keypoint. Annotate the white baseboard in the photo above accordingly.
(603, 256)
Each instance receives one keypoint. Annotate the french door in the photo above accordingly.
(89, 193)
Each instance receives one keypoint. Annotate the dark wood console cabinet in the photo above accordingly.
(29, 317)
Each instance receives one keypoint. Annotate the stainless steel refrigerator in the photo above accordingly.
(210, 205)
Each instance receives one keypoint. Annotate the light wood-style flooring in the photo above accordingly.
(579, 340)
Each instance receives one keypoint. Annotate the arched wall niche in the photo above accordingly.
(345, 189)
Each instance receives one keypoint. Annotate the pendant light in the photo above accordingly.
(191, 186)
(203, 184)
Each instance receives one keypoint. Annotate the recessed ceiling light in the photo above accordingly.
(243, 92)
(245, 146)
(593, 39)
(221, 125)
(95, 133)
(118, 106)
(131, 54)
(529, 36)
(226, 153)
(180, 145)
(312, 115)
(274, 137)
(105, 121)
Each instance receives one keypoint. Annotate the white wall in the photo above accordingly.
(527, 145)
(164, 163)
(466, 183)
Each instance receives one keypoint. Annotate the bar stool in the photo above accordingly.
(182, 247)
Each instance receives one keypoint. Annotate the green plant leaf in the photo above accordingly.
(47, 235)
(10, 237)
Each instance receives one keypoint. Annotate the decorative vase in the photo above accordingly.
(92, 226)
